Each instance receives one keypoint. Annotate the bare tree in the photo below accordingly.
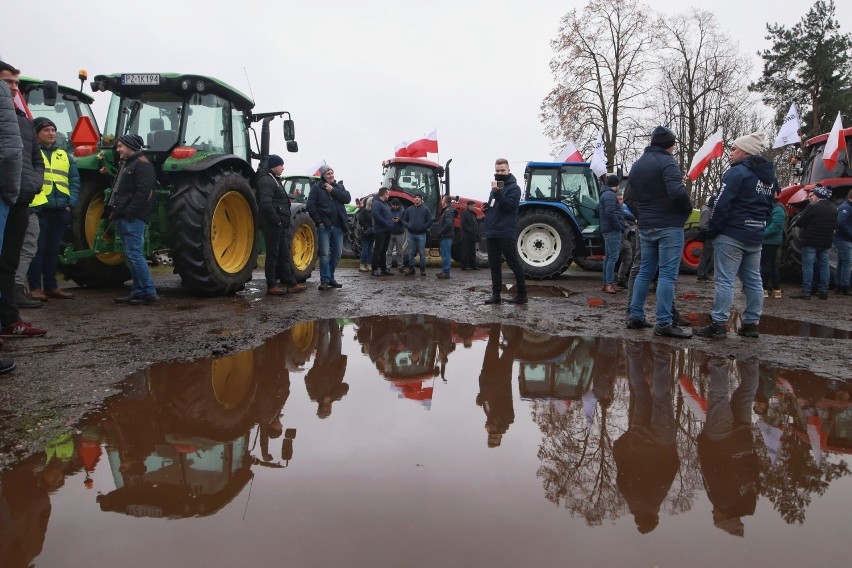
(601, 60)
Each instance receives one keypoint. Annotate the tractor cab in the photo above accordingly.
(64, 106)
(406, 177)
(573, 185)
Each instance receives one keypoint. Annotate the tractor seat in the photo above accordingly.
(162, 140)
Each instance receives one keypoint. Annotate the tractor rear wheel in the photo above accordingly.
(305, 244)
(545, 243)
(103, 270)
(212, 232)
(690, 256)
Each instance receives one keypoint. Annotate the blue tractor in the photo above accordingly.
(558, 218)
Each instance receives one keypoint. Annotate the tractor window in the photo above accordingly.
(412, 179)
(153, 116)
(301, 186)
(818, 170)
(543, 184)
(239, 134)
(63, 114)
(206, 123)
(579, 183)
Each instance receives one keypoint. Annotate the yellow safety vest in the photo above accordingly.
(55, 173)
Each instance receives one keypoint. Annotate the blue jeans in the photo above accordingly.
(731, 258)
(4, 214)
(844, 262)
(661, 248)
(132, 233)
(330, 249)
(612, 247)
(416, 245)
(366, 252)
(446, 255)
(808, 256)
(42, 272)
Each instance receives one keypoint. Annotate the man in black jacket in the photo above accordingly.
(818, 221)
(274, 206)
(326, 207)
(32, 179)
(130, 206)
(10, 172)
(469, 237)
(501, 233)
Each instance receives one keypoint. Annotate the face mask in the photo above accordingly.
(501, 177)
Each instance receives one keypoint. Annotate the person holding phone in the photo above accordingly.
(501, 233)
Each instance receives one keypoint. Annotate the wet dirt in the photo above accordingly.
(92, 343)
(415, 440)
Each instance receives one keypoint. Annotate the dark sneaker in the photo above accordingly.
(324, 286)
(671, 330)
(494, 299)
(144, 300)
(124, 299)
(335, 284)
(518, 300)
(442, 275)
(638, 324)
(749, 330)
(410, 272)
(621, 284)
(681, 321)
(801, 296)
(713, 330)
(422, 272)
(376, 273)
(276, 291)
(387, 272)
(823, 295)
(21, 329)
(6, 366)
(22, 300)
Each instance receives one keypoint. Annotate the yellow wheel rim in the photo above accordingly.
(304, 247)
(232, 232)
(92, 222)
(303, 336)
(232, 377)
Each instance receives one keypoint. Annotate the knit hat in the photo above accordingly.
(613, 181)
(324, 169)
(662, 137)
(274, 161)
(132, 141)
(822, 191)
(750, 143)
(42, 122)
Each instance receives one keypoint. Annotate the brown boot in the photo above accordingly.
(610, 289)
(296, 288)
(59, 293)
(37, 294)
(276, 291)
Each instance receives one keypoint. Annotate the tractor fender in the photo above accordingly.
(222, 162)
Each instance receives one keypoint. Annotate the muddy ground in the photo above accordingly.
(93, 343)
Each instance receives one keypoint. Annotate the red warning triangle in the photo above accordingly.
(85, 133)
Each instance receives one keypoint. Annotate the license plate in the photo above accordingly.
(140, 79)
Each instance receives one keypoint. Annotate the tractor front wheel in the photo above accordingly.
(690, 256)
(305, 244)
(545, 243)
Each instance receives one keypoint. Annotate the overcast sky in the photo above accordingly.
(358, 77)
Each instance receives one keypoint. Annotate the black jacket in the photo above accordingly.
(272, 200)
(32, 172)
(818, 221)
(133, 191)
(501, 218)
(469, 226)
(445, 225)
(745, 201)
(382, 217)
(328, 208)
(657, 191)
(10, 148)
(611, 212)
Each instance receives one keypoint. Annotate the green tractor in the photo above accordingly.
(205, 218)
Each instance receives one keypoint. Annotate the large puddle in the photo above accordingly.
(416, 441)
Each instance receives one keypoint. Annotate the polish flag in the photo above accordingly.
(709, 150)
(429, 144)
(570, 153)
(402, 150)
(314, 170)
(835, 144)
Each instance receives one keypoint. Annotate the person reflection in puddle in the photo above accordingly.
(495, 387)
(646, 455)
(726, 453)
(324, 381)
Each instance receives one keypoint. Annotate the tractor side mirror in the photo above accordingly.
(50, 92)
(292, 146)
(289, 131)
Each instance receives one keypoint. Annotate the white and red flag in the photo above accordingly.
(314, 170)
(835, 144)
(419, 148)
(710, 150)
(570, 153)
(598, 161)
(789, 132)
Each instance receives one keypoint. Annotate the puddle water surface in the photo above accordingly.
(417, 441)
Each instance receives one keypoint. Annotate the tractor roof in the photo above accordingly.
(63, 89)
(555, 164)
(823, 137)
(176, 83)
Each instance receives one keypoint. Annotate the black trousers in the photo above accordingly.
(279, 257)
(468, 253)
(380, 251)
(10, 256)
(508, 249)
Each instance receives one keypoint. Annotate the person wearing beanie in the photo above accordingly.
(817, 223)
(326, 206)
(659, 200)
(843, 244)
(612, 225)
(18, 219)
(737, 228)
(51, 211)
(273, 204)
(129, 208)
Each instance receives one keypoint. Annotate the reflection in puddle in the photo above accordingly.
(345, 430)
(773, 325)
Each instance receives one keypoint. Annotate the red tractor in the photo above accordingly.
(794, 197)
(405, 177)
